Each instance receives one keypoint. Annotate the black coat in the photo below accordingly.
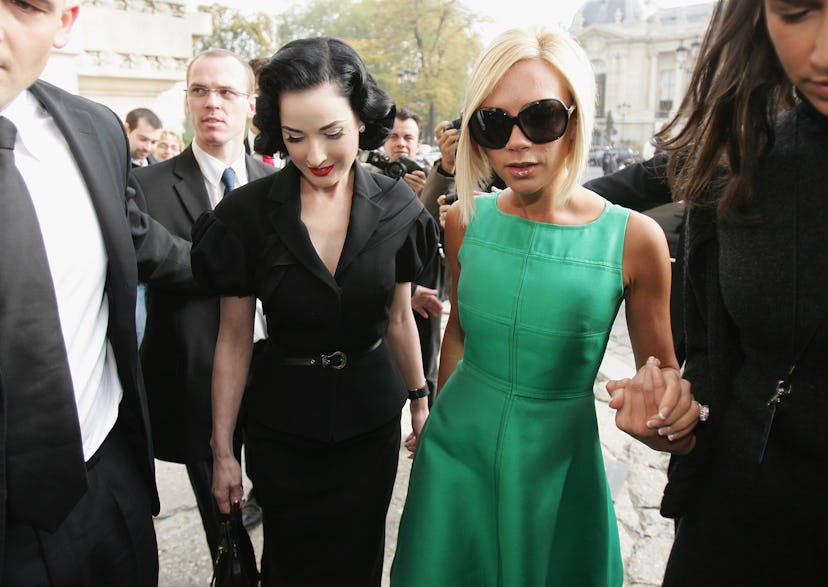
(135, 246)
(182, 327)
(256, 244)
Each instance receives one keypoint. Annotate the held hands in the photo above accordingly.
(656, 407)
(425, 302)
(227, 482)
(419, 414)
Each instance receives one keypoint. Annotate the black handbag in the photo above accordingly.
(235, 564)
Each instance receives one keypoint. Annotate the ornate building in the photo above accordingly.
(131, 53)
(642, 57)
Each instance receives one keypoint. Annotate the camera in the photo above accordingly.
(395, 169)
(456, 123)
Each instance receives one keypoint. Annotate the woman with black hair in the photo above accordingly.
(330, 250)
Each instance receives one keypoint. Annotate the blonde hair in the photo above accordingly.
(562, 52)
(171, 134)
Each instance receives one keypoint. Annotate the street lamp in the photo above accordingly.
(681, 55)
(622, 109)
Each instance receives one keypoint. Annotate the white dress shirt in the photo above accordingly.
(77, 260)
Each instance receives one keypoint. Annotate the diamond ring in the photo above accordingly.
(704, 412)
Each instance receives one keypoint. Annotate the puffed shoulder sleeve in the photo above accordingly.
(418, 249)
(219, 258)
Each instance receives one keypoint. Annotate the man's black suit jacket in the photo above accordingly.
(135, 245)
(180, 336)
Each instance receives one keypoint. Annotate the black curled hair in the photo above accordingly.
(308, 63)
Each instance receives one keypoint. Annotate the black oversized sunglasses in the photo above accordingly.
(541, 122)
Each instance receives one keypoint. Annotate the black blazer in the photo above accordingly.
(182, 327)
(135, 245)
(255, 243)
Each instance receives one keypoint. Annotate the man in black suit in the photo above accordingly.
(181, 332)
(76, 469)
(143, 128)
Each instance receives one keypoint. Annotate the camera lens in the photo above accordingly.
(395, 169)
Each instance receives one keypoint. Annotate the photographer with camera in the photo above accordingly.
(401, 147)
(441, 180)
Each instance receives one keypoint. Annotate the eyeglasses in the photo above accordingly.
(542, 122)
(226, 94)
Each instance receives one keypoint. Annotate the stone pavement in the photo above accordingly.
(637, 478)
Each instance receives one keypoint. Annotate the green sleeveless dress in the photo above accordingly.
(508, 486)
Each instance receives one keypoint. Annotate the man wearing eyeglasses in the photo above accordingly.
(180, 337)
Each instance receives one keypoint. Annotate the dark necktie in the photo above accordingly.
(45, 471)
(228, 178)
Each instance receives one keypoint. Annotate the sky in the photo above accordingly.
(504, 14)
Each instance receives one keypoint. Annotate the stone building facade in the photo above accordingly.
(642, 57)
(131, 53)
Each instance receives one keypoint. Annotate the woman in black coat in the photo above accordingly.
(330, 250)
(747, 155)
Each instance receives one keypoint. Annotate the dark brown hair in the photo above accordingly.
(725, 122)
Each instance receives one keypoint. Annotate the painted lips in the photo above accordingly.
(321, 171)
(520, 170)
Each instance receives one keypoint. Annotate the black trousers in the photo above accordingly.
(201, 480)
(107, 539)
(324, 505)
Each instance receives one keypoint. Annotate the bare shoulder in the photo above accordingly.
(644, 233)
(645, 248)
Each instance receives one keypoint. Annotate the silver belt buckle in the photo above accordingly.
(336, 360)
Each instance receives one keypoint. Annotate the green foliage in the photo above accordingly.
(345, 19)
(420, 51)
(248, 36)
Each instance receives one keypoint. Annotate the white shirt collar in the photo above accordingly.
(212, 168)
(26, 112)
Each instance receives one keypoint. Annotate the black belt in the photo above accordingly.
(334, 360)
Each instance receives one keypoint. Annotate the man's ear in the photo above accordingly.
(68, 16)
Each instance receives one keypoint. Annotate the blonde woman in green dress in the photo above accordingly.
(508, 485)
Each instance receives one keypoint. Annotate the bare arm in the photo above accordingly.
(404, 343)
(451, 350)
(234, 349)
(656, 405)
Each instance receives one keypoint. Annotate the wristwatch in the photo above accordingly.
(414, 394)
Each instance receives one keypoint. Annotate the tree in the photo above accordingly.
(346, 19)
(247, 36)
(434, 38)
(420, 51)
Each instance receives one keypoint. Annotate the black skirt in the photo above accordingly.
(324, 505)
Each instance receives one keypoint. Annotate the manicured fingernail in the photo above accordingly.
(653, 423)
(652, 361)
(671, 438)
(663, 413)
(664, 431)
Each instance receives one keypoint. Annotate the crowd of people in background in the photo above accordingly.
(262, 291)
